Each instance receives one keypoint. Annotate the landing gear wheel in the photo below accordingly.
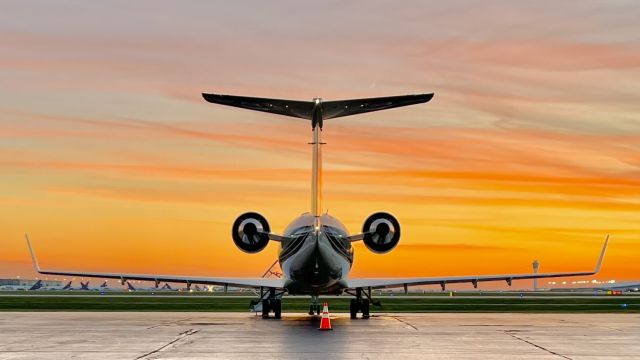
(318, 310)
(312, 309)
(365, 308)
(266, 308)
(277, 308)
(353, 308)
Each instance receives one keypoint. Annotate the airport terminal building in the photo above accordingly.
(28, 282)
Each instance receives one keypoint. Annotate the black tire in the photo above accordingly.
(277, 308)
(353, 308)
(318, 310)
(365, 309)
(312, 309)
(266, 308)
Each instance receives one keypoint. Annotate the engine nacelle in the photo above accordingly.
(250, 232)
(381, 232)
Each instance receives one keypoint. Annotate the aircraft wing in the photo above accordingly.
(237, 282)
(294, 108)
(340, 108)
(473, 279)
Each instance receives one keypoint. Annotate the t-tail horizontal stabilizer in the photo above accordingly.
(317, 110)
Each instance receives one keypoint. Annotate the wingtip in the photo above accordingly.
(426, 97)
(210, 97)
(604, 250)
(33, 255)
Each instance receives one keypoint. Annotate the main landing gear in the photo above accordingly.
(271, 302)
(359, 304)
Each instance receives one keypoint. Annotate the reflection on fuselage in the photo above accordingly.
(316, 261)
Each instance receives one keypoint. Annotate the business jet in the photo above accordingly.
(316, 252)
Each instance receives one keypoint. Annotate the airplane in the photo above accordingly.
(631, 286)
(167, 287)
(130, 287)
(626, 286)
(67, 286)
(316, 252)
(38, 285)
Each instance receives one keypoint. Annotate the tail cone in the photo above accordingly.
(325, 322)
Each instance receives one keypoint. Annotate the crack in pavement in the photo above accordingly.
(404, 322)
(169, 323)
(536, 345)
(180, 336)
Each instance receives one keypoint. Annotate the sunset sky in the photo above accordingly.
(111, 160)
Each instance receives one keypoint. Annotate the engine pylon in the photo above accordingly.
(325, 322)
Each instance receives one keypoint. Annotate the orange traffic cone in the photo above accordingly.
(325, 322)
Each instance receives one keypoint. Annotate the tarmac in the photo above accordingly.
(160, 335)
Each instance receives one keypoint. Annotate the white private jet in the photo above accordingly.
(316, 252)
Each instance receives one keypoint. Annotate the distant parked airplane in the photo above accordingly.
(36, 286)
(166, 287)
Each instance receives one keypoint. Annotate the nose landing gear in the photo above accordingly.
(314, 307)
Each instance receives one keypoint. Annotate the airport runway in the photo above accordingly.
(78, 335)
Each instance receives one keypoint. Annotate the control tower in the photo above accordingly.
(536, 266)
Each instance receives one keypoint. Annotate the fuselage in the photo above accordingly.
(316, 259)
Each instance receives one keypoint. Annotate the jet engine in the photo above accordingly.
(250, 232)
(381, 232)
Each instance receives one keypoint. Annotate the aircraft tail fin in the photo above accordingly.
(167, 287)
(36, 286)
